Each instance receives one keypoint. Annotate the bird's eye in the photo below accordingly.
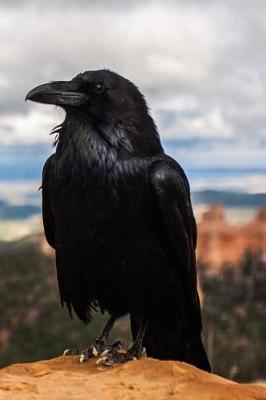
(98, 88)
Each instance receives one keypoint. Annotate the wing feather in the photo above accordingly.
(48, 219)
(172, 194)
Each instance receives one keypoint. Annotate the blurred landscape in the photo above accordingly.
(201, 66)
(231, 264)
(20, 180)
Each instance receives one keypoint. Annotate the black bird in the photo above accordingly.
(117, 211)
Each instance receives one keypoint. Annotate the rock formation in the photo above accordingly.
(221, 243)
(64, 378)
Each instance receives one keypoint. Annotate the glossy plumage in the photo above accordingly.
(117, 211)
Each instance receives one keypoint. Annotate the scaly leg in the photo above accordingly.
(101, 345)
(114, 356)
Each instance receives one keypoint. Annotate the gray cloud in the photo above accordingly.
(202, 65)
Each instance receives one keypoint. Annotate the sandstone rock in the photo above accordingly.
(254, 233)
(65, 378)
(221, 243)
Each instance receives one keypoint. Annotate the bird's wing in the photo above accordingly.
(49, 226)
(172, 194)
(48, 220)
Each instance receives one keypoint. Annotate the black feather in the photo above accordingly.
(117, 211)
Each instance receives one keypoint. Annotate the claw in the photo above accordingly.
(65, 352)
(143, 352)
(94, 351)
(101, 361)
(105, 352)
(82, 358)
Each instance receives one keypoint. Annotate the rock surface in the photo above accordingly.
(65, 378)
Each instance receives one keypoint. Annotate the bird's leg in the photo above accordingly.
(101, 345)
(114, 356)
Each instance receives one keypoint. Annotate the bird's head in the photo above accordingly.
(109, 102)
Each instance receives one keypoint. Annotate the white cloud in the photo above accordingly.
(228, 155)
(211, 124)
(29, 128)
(201, 66)
(4, 82)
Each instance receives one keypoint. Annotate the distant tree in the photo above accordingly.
(33, 324)
(234, 314)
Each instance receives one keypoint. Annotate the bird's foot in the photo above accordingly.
(100, 347)
(119, 356)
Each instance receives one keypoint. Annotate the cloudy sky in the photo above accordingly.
(200, 64)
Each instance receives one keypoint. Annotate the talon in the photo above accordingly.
(143, 352)
(94, 351)
(82, 357)
(65, 352)
(105, 352)
(101, 361)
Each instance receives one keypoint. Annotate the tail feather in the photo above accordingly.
(196, 355)
(169, 345)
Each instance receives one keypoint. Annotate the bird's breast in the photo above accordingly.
(101, 199)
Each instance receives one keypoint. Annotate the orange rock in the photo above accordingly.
(254, 233)
(220, 242)
(214, 213)
(64, 378)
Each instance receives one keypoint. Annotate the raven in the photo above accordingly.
(118, 213)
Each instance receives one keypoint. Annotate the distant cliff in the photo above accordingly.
(220, 242)
(229, 199)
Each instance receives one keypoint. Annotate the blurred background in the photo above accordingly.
(202, 68)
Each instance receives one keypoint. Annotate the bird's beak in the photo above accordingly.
(63, 93)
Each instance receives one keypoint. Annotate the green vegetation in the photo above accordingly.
(33, 325)
(234, 317)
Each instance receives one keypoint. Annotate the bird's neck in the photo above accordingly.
(100, 147)
(79, 143)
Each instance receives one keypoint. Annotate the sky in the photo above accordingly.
(200, 64)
